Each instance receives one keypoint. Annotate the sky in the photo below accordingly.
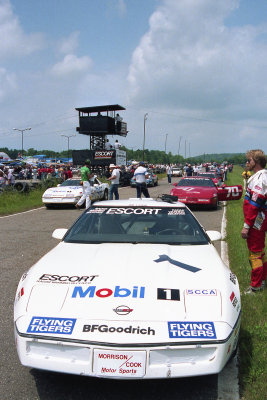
(193, 72)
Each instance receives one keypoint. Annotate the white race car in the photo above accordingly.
(70, 192)
(135, 290)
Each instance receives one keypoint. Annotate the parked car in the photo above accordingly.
(177, 172)
(134, 290)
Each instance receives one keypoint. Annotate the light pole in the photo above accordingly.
(166, 142)
(145, 118)
(22, 131)
(68, 137)
(179, 145)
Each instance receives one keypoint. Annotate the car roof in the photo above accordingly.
(135, 202)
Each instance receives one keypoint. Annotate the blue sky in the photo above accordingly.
(197, 67)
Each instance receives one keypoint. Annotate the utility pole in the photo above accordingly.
(166, 141)
(145, 118)
(22, 131)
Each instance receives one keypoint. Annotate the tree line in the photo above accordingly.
(150, 156)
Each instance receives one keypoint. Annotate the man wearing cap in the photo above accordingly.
(140, 175)
(86, 175)
(114, 179)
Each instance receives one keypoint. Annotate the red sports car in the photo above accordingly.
(201, 191)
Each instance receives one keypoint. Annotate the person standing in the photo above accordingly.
(115, 180)
(86, 175)
(255, 218)
(169, 173)
(117, 145)
(140, 175)
(10, 177)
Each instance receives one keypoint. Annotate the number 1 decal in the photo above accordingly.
(169, 294)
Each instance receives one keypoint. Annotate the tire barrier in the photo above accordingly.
(22, 187)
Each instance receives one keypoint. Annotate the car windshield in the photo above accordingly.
(71, 182)
(196, 182)
(208, 175)
(163, 225)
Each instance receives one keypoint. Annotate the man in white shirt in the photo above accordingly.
(115, 180)
(169, 173)
(117, 145)
(140, 175)
(107, 145)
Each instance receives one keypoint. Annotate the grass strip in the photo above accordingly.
(253, 334)
(12, 202)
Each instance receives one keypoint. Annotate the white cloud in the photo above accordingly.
(189, 59)
(14, 42)
(71, 64)
(68, 45)
(7, 82)
(121, 7)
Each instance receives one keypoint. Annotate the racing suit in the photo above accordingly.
(255, 215)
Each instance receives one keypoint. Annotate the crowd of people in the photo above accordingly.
(8, 174)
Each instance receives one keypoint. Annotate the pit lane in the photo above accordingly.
(25, 238)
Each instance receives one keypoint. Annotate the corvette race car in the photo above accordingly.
(70, 192)
(149, 298)
(203, 191)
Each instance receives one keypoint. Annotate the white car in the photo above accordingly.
(135, 290)
(71, 190)
(177, 172)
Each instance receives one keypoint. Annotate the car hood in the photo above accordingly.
(194, 191)
(128, 285)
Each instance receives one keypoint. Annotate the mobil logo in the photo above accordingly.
(92, 291)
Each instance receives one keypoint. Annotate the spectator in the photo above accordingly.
(169, 173)
(140, 175)
(69, 173)
(118, 120)
(108, 145)
(117, 145)
(10, 177)
(114, 179)
(2, 179)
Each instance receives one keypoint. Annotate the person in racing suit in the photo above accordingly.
(255, 218)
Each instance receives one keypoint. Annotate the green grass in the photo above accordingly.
(253, 334)
(12, 202)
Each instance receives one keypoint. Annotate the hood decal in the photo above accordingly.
(164, 257)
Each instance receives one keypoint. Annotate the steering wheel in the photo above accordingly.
(169, 231)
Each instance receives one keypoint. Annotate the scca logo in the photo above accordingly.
(136, 292)
(202, 292)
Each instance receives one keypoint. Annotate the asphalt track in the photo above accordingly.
(25, 237)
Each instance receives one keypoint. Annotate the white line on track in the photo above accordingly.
(23, 212)
(228, 388)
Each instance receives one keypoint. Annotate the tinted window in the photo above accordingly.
(196, 182)
(72, 182)
(137, 225)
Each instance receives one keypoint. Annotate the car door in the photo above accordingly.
(226, 193)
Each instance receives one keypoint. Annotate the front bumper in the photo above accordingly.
(125, 361)
(60, 200)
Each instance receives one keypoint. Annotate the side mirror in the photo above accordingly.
(214, 235)
(59, 233)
